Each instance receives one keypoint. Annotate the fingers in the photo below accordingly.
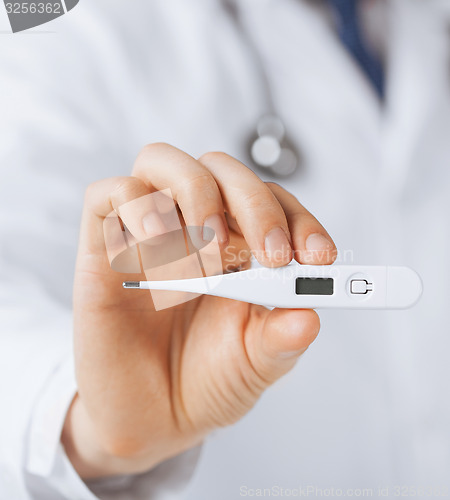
(204, 188)
(271, 220)
(275, 344)
(126, 196)
(312, 244)
(257, 211)
(193, 187)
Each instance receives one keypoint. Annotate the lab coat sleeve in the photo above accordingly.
(51, 147)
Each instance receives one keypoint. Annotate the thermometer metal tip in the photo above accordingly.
(131, 284)
(299, 286)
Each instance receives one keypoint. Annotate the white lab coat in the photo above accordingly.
(368, 405)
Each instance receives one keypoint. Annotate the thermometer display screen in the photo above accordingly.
(314, 286)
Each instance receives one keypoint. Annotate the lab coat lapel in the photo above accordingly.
(305, 56)
(417, 94)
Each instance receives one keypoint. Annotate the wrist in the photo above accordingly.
(81, 445)
(92, 459)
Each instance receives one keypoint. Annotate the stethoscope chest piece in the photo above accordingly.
(271, 150)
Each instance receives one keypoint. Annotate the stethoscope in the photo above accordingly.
(269, 147)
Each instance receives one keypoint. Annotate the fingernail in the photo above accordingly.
(153, 225)
(292, 354)
(214, 225)
(318, 243)
(276, 245)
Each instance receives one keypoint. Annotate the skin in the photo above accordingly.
(152, 384)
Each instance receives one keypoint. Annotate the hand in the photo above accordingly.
(153, 384)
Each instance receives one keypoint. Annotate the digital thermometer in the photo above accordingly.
(297, 286)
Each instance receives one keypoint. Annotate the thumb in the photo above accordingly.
(280, 338)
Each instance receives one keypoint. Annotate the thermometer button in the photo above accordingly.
(360, 287)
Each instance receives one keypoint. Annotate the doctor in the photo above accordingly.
(365, 103)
